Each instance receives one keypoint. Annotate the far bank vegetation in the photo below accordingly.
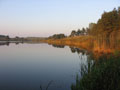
(105, 34)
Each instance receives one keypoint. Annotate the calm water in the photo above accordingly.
(29, 66)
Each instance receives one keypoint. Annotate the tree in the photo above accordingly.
(7, 37)
(91, 25)
(108, 22)
(73, 33)
(87, 30)
(119, 17)
(58, 36)
(83, 31)
(78, 32)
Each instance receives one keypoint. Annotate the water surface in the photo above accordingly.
(31, 66)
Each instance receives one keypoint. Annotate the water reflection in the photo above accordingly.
(8, 43)
(78, 50)
(4, 43)
(58, 46)
(32, 67)
(42, 67)
(99, 72)
(85, 58)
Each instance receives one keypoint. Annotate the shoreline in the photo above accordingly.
(85, 42)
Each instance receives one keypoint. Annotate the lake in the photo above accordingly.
(39, 66)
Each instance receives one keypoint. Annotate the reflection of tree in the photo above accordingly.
(86, 65)
(17, 43)
(58, 46)
(78, 50)
(86, 61)
(4, 43)
(8, 43)
(72, 50)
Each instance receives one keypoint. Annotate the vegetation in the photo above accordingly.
(35, 39)
(77, 41)
(109, 22)
(3, 37)
(57, 36)
(103, 36)
(7, 38)
(79, 32)
(58, 46)
(103, 75)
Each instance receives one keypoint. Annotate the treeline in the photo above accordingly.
(57, 36)
(7, 38)
(83, 31)
(4, 38)
(35, 39)
(109, 22)
(17, 39)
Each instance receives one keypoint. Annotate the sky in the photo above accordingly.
(43, 18)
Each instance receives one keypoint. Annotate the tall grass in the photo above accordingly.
(104, 75)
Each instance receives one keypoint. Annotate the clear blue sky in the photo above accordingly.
(46, 17)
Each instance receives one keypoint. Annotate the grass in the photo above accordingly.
(96, 44)
(78, 41)
(104, 75)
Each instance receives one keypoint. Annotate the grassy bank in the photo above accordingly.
(102, 37)
(95, 44)
(103, 75)
(78, 41)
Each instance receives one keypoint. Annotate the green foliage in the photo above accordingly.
(73, 33)
(109, 22)
(57, 36)
(116, 52)
(104, 75)
(79, 32)
(119, 17)
(4, 38)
